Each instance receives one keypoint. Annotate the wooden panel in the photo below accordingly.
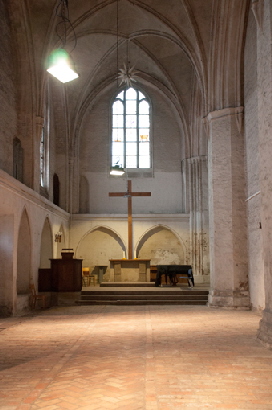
(44, 280)
(66, 275)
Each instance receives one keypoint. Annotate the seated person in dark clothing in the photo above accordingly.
(191, 277)
(174, 272)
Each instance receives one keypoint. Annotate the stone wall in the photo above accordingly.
(256, 263)
(8, 120)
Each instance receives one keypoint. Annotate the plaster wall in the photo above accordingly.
(94, 162)
(163, 247)
(255, 262)
(89, 232)
(166, 200)
(15, 200)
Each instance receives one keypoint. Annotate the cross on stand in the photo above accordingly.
(129, 194)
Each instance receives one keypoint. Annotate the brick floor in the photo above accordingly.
(134, 358)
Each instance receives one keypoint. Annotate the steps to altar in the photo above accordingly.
(142, 293)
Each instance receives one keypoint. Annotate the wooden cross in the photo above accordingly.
(129, 194)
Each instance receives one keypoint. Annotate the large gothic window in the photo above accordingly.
(44, 147)
(130, 146)
(42, 159)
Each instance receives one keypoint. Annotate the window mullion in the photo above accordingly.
(125, 128)
(137, 125)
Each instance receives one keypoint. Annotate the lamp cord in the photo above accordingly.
(117, 47)
(62, 12)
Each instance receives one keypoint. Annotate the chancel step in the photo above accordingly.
(143, 296)
(126, 284)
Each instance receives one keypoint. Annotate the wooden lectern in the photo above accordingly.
(66, 273)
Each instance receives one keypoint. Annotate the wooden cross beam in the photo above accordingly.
(129, 194)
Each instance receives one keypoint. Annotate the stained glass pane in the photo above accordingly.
(121, 95)
(118, 107)
(131, 94)
(144, 161)
(143, 121)
(131, 107)
(141, 95)
(118, 121)
(117, 134)
(131, 121)
(143, 135)
(144, 148)
(131, 130)
(131, 161)
(131, 148)
(117, 149)
(117, 160)
(131, 135)
(143, 107)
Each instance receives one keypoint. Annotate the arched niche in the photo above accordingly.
(23, 256)
(162, 246)
(98, 247)
(46, 245)
(61, 241)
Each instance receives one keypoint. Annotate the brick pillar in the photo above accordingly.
(263, 13)
(227, 210)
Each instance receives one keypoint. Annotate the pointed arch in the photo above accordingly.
(105, 229)
(60, 240)
(46, 245)
(98, 246)
(162, 245)
(24, 273)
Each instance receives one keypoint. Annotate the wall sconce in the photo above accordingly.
(58, 237)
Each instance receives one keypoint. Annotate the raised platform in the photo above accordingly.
(126, 284)
(143, 293)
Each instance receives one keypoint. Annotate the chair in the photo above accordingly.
(35, 296)
(86, 279)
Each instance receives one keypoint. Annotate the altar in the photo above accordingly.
(130, 270)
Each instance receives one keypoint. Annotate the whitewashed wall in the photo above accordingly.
(16, 199)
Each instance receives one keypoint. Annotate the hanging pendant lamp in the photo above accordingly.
(60, 63)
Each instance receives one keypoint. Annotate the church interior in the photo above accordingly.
(176, 94)
(176, 98)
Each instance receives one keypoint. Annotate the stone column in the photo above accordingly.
(37, 156)
(199, 220)
(263, 13)
(185, 171)
(227, 210)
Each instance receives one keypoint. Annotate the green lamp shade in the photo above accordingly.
(60, 66)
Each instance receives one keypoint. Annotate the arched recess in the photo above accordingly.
(24, 256)
(98, 246)
(61, 241)
(46, 245)
(162, 246)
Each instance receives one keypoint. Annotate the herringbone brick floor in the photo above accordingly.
(134, 358)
